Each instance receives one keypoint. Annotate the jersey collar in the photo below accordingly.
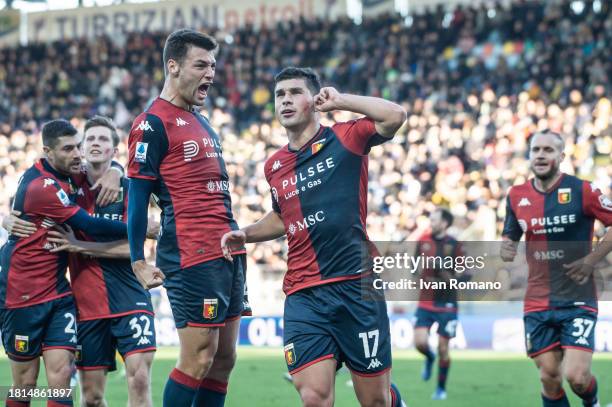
(48, 168)
(551, 189)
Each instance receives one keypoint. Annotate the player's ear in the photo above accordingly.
(173, 68)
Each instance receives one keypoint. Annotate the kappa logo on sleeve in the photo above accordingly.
(144, 126)
(47, 182)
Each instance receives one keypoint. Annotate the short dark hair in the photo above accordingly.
(178, 43)
(556, 135)
(447, 216)
(103, 121)
(310, 76)
(53, 130)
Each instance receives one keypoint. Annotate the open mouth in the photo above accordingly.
(203, 89)
(95, 152)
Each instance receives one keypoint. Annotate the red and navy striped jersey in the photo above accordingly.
(30, 273)
(320, 191)
(438, 300)
(105, 287)
(558, 228)
(179, 150)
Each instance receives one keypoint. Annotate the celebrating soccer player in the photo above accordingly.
(437, 305)
(175, 154)
(38, 314)
(560, 322)
(319, 192)
(114, 311)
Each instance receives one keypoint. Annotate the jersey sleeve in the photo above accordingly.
(45, 197)
(275, 206)
(596, 204)
(512, 229)
(359, 136)
(147, 147)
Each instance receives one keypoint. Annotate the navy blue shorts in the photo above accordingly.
(99, 339)
(28, 331)
(447, 321)
(572, 327)
(340, 321)
(207, 294)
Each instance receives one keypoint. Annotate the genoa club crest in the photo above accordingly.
(564, 195)
(210, 308)
(317, 146)
(290, 357)
(21, 343)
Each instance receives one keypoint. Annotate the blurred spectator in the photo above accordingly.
(476, 83)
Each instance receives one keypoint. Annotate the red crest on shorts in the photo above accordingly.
(290, 354)
(210, 308)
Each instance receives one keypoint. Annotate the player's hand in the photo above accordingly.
(63, 238)
(148, 275)
(233, 240)
(327, 99)
(508, 250)
(17, 226)
(579, 270)
(152, 228)
(109, 185)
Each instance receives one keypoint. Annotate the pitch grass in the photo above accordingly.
(477, 378)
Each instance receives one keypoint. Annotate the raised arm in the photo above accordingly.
(388, 116)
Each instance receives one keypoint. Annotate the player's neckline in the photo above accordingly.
(550, 189)
(309, 142)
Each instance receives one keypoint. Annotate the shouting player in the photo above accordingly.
(319, 192)
(38, 314)
(175, 154)
(549, 209)
(437, 305)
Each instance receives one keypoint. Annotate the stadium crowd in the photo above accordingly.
(476, 82)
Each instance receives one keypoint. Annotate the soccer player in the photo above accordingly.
(554, 207)
(114, 311)
(437, 305)
(319, 192)
(175, 154)
(38, 315)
